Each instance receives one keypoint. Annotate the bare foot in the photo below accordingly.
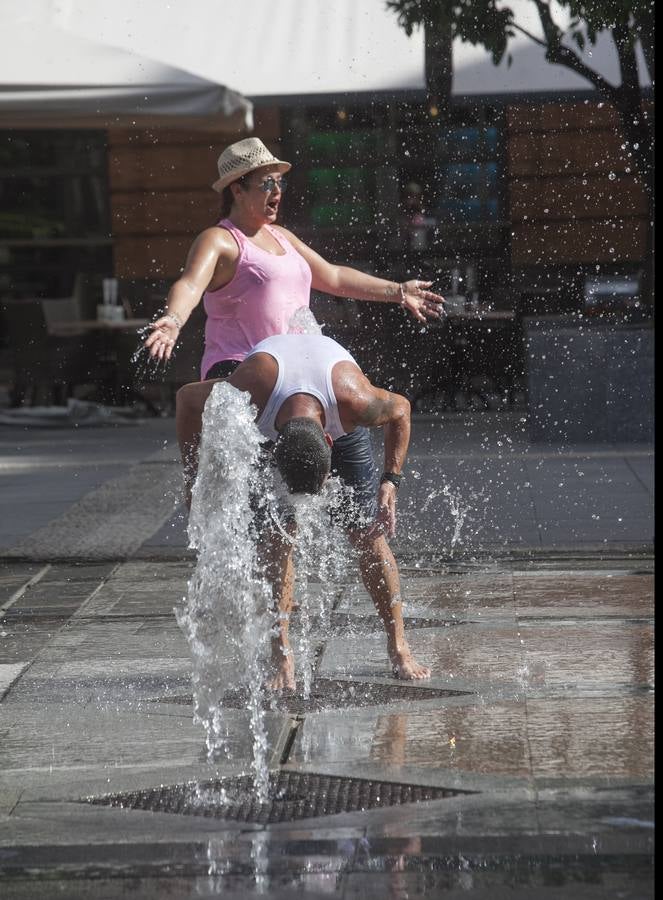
(283, 666)
(404, 665)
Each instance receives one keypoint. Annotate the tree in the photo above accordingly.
(492, 23)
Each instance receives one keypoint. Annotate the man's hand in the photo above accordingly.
(385, 520)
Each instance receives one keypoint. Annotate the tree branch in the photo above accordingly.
(564, 56)
(528, 34)
(628, 65)
(552, 32)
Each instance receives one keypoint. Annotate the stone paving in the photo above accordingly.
(538, 718)
(545, 724)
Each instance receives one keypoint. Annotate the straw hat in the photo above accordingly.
(243, 157)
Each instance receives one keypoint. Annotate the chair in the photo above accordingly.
(43, 363)
(65, 309)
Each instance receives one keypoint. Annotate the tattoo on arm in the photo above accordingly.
(378, 411)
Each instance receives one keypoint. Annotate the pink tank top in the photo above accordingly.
(258, 302)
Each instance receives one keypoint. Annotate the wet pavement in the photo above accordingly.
(535, 729)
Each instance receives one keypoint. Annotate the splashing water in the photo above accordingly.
(303, 321)
(319, 558)
(460, 508)
(459, 511)
(146, 367)
(227, 617)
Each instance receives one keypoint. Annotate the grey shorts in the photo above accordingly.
(353, 464)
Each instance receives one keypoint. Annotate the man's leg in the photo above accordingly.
(379, 573)
(352, 461)
(276, 559)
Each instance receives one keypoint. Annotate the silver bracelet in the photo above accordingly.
(401, 288)
(176, 319)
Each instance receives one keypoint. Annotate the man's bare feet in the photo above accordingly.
(283, 667)
(404, 665)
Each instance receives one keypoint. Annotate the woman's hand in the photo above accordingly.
(419, 301)
(161, 342)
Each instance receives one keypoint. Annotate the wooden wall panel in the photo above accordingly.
(161, 166)
(567, 153)
(161, 191)
(593, 197)
(574, 195)
(582, 241)
(267, 126)
(167, 212)
(582, 116)
(151, 257)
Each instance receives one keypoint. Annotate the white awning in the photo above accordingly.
(51, 73)
(152, 57)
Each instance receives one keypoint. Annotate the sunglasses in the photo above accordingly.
(271, 184)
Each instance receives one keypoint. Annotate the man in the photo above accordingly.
(308, 392)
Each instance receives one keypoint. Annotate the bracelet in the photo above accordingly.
(176, 319)
(401, 289)
(392, 478)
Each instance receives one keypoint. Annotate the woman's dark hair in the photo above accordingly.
(303, 456)
(227, 199)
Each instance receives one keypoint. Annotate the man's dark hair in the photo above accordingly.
(303, 456)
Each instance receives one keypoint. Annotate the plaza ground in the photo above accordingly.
(528, 586)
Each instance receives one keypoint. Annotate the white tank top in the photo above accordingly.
(305, 364)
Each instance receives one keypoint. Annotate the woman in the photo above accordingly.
(253, 274)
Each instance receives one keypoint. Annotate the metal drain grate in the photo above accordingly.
(292, 795)
(333, 693)
(371, 625)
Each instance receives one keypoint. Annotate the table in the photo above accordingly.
(85, 326)
(114, 344)
(471, 345)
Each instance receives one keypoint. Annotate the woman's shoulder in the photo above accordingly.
(285, 233)
(217, 236)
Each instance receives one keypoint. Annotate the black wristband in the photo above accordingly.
(392, 477)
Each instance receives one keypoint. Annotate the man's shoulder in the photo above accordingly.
(258, 366)
(349, 383)
(257, 376)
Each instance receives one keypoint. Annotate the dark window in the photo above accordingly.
(54, 211)
(390, 186)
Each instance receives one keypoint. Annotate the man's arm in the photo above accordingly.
(382, 409)
(190, 403)
(391, 412)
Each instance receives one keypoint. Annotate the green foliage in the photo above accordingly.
(481, 22)
(474, 21)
